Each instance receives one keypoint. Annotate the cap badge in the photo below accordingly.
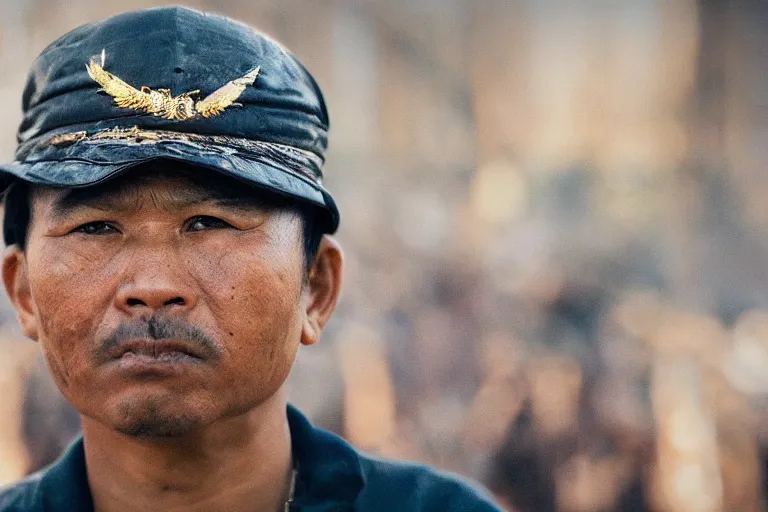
(162, 103)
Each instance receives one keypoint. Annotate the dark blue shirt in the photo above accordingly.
(332, 477)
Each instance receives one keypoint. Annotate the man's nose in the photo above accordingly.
(156, 288)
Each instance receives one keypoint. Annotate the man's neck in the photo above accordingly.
(243, 464)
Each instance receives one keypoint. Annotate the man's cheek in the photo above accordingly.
(65, 282)
(65, 316)
(249, 290)
(57, 310)
(65, 339)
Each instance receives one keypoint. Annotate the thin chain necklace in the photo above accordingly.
(291, 491)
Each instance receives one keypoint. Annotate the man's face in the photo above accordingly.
(162, 304)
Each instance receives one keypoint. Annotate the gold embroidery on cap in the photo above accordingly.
(135, 134)
(67, 139)
(162, 103)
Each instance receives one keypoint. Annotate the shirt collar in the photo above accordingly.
(65, 484)
(330, 476)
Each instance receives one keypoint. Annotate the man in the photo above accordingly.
(167, 224)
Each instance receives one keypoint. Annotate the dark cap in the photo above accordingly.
(174, 83)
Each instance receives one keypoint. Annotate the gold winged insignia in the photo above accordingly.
(162, 103)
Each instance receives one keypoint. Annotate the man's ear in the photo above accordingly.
(323, 289)
(16, 282)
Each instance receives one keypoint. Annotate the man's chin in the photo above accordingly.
(169, 427)
(153, 419)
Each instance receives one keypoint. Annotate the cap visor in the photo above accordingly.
(92, 163)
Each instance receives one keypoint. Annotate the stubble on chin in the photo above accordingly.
(153, 419)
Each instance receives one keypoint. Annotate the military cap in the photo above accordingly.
(173, 83)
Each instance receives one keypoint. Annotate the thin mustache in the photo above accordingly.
(158, 329)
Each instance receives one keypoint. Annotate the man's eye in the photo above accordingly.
(203, 222)
(95, 228)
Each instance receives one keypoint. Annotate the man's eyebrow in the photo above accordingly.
(78, 198)
(242, 203)
(75, 199)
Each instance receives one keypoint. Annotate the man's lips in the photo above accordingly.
(165, 349)
(157, 345)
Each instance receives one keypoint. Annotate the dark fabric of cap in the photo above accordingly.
(73, 134)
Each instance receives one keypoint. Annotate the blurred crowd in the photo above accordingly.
(554, 223)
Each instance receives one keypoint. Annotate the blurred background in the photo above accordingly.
(555, 217)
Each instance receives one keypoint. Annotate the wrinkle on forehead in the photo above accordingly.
(165, 196)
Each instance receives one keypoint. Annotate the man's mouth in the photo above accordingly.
(165, 350)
